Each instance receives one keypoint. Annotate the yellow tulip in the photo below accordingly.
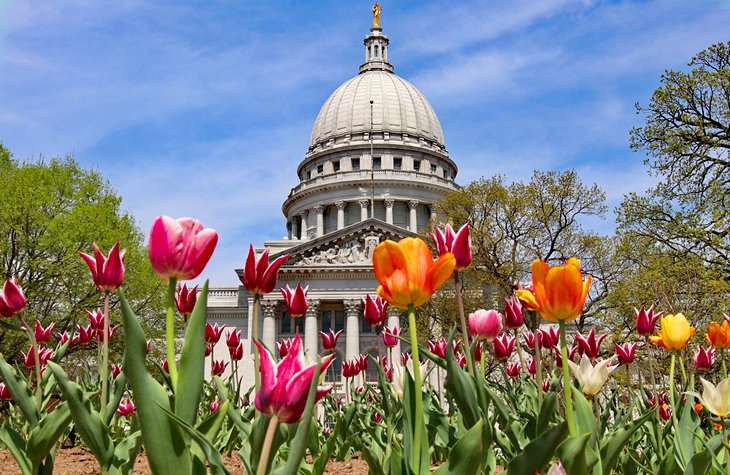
(674, 333)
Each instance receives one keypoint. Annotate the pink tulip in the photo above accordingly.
(546, 385)
(236, 353)
(126, 408)
(550, 337)
(350, 369)
(219, 366)
(374, 310)
(377, 418)
(180, 248)
(625, 352)
(513, 315)
(437, 347)
(362, 361)
(530, 339)
(213, 333)
(285, 386)
(646, 320)
(63, 338)
(185, 299)
(108, 273)
(389, 373)
(214, 405)
(284, 346)
(455, 345)
(459, 244)
(5, 393)
(390, 336)
(43, 335)
(503, 346)
(165, 366)
(704, 358)
(485, 324)
(208, 349)
(86, 334)
(572, 350)
(590, 345)
(12, 298)
(478, 350)
(259, 277)
(100, 333)
(116, 370)
(295, 300)
(29, 358)
(96, 319)
(329, 340)
(513, 369)
(233, 338)
(461, 359)
(532, 366)
(405, 358)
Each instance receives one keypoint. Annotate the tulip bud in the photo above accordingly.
(237, 352)
(704, 358)
(208, 349)
(233, 338)
(390, 336)
(185, 299)
(513, 315)
(485, 324)
(458, 244)
(214, 405)
(546, 385)
(43, 335)
(374, 310)
(180, 248)
(625, 352)
(295, 300)
(108, 273)
(259, 277)
(126, 408)
(646, 320)
(12, 298)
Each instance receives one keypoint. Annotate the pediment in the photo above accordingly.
(351, 246)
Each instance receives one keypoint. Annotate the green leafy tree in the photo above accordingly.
(49, 211)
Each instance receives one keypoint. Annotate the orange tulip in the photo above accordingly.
(559, 291)
(674, 334)
(718, 334)
(407, 273)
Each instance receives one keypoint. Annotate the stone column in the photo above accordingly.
(394, 321)
(311, 335)
(352, 329)
(413, 221)
(340, 213)
(294, 228)
(364, 202)
(288, 230)
(268, 336)
(389, 210)
(303, 216)
(319, 209)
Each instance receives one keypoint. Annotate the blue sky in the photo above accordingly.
(204, 109)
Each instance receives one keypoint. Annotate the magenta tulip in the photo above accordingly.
(107, 272)
(5, 393)
(285, 386)
(329, 340)
(549, 338)
(572, 350)
(116, 370)
(362, 361)
(532, 366)
(503, 346)
(375, 310)
(283, 347)
(546, 385)
(185, 299)
(295, 300)
(213, 333)
(63, 337)
(12, 298)
(513, 315)
(350, 369)
(529, 338)
(459, 244)
(233, 338)
(437, 347)
(259, 277)
(29, 358)
(485, 324)
(208, 349)
(96, 319)
(237, 352)
(43, 335)
(646, 320)
(704, 358)
(180, 248)
(513, 369)
(390, 336)
(214, 405)
(126, 408)
(100, 333)
(219, 366)
(86, 334)
(461, 359)
(590, 345)
(625, 352)
(478, 348)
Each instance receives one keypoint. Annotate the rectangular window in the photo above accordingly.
(339, 320)
(365, 327)
(433, 168)
(397, 163)
(287, 326)
(336, 165)
(309, 175)
(417, 165)
(326, 320)
(355, 164)
(376, 163)
(320, 169)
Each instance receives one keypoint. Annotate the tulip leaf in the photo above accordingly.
(192, 360)
(461, 387)
(329, 446)
(547, 411)
(468, 454)
(412, 419)
(700, 463)
(61, 351)
(120, 385)
(16, 445)
(211, 425)
(689, 421)
(126, 453)
(585, 420)
(572, 454)
(22, 395)
(163, 441)
(43, 438)
(612, 447)
(538, 453)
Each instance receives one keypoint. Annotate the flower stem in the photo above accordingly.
(567, 387)
(104, 370)
(727, 447)
(684, 372)
(464, 328)
(484, 369)
(418, 419)
(651, 366)
(722, 357)
(257, 370)
(170, 331)
(266, 449)
(675, 421)
(34, 344)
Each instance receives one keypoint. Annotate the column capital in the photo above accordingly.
(318, 208)
(312, 307)
(352, 306)
(304, 214)
(364, 202)
(412, 204)
(393, 311)
(269, 307)
(389, 202)
(340, 204)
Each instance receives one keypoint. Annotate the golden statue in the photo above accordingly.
(376, 14)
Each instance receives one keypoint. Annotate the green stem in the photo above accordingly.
(34, 344)
(484, 369)
(684, 372)
(722, 357)
(567, 386)
(675, 421)
(464, 327)
(266, 449)
(256, 306)
(727, 447)
(519, 347)
(418, 419)
(104, 373)
(651, 366)
(170, 332)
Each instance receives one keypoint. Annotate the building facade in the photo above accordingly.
(375, 164)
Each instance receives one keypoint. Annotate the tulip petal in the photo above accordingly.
(441, 271)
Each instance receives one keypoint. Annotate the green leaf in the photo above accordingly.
(461, 387)
(192, 360)
(700, 463)
(22, 395)
(45, 435)
(87, 421)
(547, 412)
(613, 445)
(468, 454)
(572, 454)
(538, 453)
(120, 385)
(211, 425)
(15, 444)
(585, 420)
(126, 453)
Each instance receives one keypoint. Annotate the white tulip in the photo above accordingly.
(715, 399)
(591, 378)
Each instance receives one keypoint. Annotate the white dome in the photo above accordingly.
(398, 107)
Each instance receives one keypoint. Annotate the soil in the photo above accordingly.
(79, 461)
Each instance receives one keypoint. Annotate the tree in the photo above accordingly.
(687, 138)
(513, 224)
(49, 211)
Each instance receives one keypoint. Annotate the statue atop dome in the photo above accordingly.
(376, 14)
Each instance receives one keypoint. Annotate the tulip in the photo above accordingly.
(546, 385)
(665, 411)
(44, 355)
(12, 298)
(329, 340)
(625, 352)
(503, 346)
(513, 369)
(560, 291)
(377, 418)
(295, 300)
(698, 408)
(704, 358)
(718, 334)
(126, 408)
(405, 357)
(437, 347)
(478, 348)
(646, 320)
(116, 370)
(350, 369)
(96, 319)
(283, 347)
(108, 273)
(180, 248)
(407, 273)
(513, 315)
(557, 469)
(528, 301)
(63, 338)
(571, 351)
(458, 244)
(399, 376)
(531, 366)
(455, 346)
(529, 338)
(590, 346)
(259, 277)
(5, 393)
(550, 337)
(233, 338)
(389, 373)
(591, 378)
(390, 336)
(86, 334)
(214, 405)
(285, 386)
(485, 324)
(165, 366)
(218, 367)
(362, 361)
(715, 399)
(100, 333)
(213, 333)
(663, 399)
(675, 332)
(208, 349)
(374, 310)
(383, 361)
(185, 299)
(43, 335)
(236, 353)
(461, 359)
